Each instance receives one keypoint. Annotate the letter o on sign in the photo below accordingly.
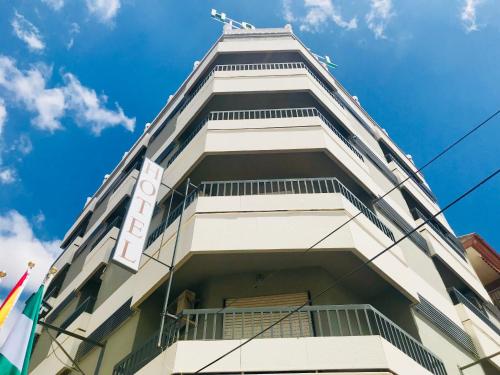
(149, 186)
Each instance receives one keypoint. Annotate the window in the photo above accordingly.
(239, 325)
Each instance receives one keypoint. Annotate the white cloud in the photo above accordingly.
(468, 15)
(3, 115)
(89, 108)
(19, 246)
(320, 12)
(27, 32)
(39, 219)
(74, 29)
(287, 11)
(104, 10)
(378, 17)
(22, 144)
(54, 4)
(7, 176)
(29, 88)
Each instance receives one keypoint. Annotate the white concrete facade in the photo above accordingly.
(281, 156)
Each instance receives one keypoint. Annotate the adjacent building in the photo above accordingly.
(278, 154)
(486, 262)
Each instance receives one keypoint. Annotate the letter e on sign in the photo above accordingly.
(134, 231)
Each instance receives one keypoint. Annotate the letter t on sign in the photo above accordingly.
(135, 227)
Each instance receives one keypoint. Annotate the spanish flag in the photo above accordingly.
(10, 301)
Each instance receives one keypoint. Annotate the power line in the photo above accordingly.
(65, 353)
(356, 269)
(433, 159)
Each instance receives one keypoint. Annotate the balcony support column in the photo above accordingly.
(164, 313)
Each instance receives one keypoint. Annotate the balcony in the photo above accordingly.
(495, 296)
(450, 239)
(52, 363)
(254, 67)
(272, 187)
(482, 325)
(339, 321)
(480, 312)
(85, 307)
(257, 115)
(96, 254)
(412, 176)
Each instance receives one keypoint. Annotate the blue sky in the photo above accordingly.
(79, 79)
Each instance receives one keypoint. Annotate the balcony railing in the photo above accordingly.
(258, 114)
(495, 296)
(310, 321)
(458, 297)
(248, 67)
(86, 306)
(445, 235)
(282, 113)
(271, 187)
(99, 233)
(414, 178)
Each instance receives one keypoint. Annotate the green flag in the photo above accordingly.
(16, 351)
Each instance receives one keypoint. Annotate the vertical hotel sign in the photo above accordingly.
(132, 237)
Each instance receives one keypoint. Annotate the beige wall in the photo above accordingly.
(445, 348)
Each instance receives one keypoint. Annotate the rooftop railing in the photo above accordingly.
(270, 187)
(458, 297)
(248, 67)
(310, 321)
(445, 235)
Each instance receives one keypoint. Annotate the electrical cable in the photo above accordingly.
(353, 271)
(430, 161)
(65, 353)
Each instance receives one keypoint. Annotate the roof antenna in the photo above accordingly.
(233, 24)
(324, 60)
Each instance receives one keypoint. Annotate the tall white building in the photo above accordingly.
(279, 155)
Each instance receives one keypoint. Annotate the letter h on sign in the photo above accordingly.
(132, 237)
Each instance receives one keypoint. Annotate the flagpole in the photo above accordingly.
(49, 275)
(10, 301)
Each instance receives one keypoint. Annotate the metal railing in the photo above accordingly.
(445, 324)
(264, 66)
(386, 209)
(259, 114)
(147, 352)
(291, 186)
(414, 178)
(99, 233)
(85, 249)
(174, 214)
(86, 306)
(495, 296)
(458, 297)
(445, 235)
(268, 187)
(310, 321)
(177, 151)
(281, 113)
